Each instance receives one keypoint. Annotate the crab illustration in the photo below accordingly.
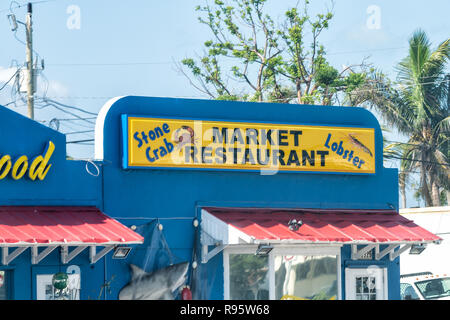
(183, 135)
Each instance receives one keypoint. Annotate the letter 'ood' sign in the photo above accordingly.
(184, 143)
(36, 168)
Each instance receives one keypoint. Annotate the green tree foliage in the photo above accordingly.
(250, 58)
(418, 107)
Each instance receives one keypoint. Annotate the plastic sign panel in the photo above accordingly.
(204, 144)
(35, 168)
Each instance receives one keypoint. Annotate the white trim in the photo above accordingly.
(99, 127)
(357, 254)
(445, 209)
(8, 257)
(67, 256)
(272, 276)
(206, 256)
(37, 257)
(380, 274)
(339, 277)
(221, 231)
(394, 254)
(226, 275)
(94, 256)
(70, 244)
(386, 251)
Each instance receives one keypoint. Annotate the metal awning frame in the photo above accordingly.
(206, 241)
(67, 251)
(394, 250)
(215, 232)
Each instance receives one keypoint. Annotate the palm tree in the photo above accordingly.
(418, 108)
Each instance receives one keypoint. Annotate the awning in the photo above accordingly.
(363, 229)
(44, 229)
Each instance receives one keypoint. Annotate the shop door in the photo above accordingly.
(366, 284)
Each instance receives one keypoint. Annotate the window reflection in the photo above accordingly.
(249, 277)
(306, 277)
(4, 289)
(366, 288)
(407, 292)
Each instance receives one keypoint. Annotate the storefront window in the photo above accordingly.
(306, 277)
(366, 288)
(47, 291)
(288, 273)
(4, 285)
(249, 277)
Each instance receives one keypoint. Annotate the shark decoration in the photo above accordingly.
(158, 285)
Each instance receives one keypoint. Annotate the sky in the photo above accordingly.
(98, 49)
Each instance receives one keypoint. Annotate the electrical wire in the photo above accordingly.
(107, 64)
(93, 64)
(6, 83)
(417, 160)
(24, 4)
(78, 141)
(78, 132)
(76, 119)
(47, 100)
(68, 112)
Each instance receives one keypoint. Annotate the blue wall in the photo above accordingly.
(67, 182)
(191, 187)
(139, 197)
(133, 193)
(393, 267)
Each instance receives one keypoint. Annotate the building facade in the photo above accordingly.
(263, 201)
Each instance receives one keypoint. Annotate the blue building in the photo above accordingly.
(264, 201)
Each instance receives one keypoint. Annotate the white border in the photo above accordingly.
(99, 127)
(351, 273)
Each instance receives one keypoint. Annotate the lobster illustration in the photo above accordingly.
(359, 144)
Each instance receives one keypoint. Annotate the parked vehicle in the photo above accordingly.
(424, 286)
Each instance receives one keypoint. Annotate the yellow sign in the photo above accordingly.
(38, 169)
(180, 143)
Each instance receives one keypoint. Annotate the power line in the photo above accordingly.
(79, 97)
(78, 132)
(68, 112)
(416, 160)
(24, 4)
(79, 141)
(368, 50)
(107, 64)
(47, 100)
(76, 119)
(94, 64)
(6, 83)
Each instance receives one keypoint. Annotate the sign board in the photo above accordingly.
(23, 166)
(224, 145)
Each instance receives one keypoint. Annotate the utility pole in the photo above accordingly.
(30, 69)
